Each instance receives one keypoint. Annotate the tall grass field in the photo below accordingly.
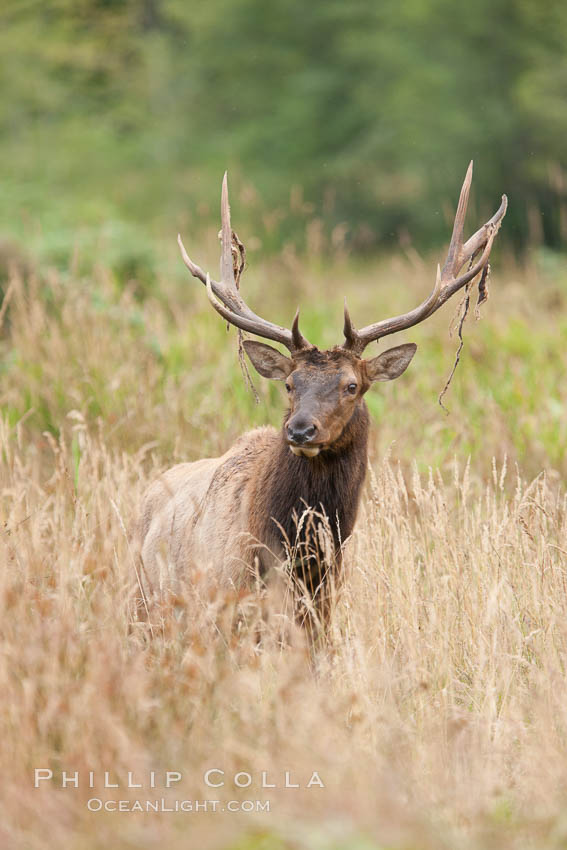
(432, 711)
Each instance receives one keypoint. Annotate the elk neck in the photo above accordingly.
(331, 483)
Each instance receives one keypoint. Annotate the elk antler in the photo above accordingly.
(226, 298)
(447, 282)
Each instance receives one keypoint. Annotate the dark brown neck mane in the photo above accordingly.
(329, 484)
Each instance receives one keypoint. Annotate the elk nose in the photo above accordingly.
(301, 433)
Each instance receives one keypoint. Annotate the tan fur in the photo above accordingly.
(196, 516)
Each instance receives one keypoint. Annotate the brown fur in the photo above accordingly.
(330, 484)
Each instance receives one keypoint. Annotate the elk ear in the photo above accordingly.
(391, 363)
(267, 361)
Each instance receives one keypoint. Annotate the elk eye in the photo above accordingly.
(351, 389)
(288, 387)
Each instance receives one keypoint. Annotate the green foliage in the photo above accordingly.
(363, 113)
(164, 371)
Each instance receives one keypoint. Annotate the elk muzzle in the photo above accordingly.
(300, 432)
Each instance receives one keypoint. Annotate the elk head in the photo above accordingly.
(325, 388)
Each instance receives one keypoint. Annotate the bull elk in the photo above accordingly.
(237, 514)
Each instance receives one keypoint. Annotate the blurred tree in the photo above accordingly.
(133, 109)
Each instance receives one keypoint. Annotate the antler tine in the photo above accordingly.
(447, 282)
(226, 298)
(226, 266)
(349, 329)
(297, 337)
(472, 245)
(195, 270)
(456, 243)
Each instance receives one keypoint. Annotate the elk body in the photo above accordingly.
(234, 516)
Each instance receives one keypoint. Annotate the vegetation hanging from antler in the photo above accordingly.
(460, 319)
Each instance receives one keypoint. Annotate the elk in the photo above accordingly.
(236, 515)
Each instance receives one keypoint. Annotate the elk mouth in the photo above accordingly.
(304, 451)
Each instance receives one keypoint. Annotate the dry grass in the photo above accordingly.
(434, 709)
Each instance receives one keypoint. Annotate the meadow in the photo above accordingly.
(434, 707)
